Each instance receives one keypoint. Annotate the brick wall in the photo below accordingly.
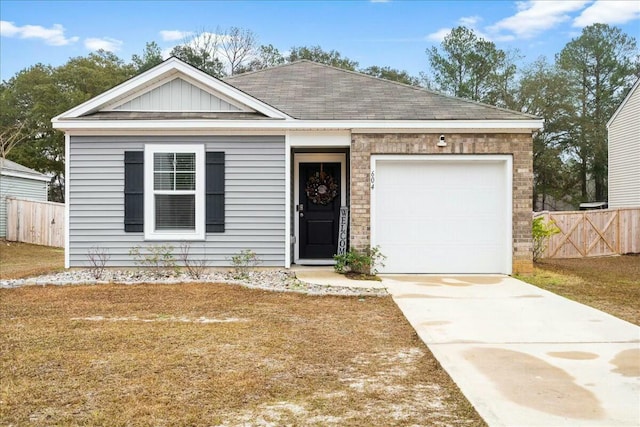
(519, 145)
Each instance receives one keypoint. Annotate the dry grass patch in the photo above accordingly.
(215, 355)
(19, 260)
(610, 284)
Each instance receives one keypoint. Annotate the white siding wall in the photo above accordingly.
(624, 155)
(254, 199)
(11, 186)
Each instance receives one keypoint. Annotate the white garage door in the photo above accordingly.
(442, 214)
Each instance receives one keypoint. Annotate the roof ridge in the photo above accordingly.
(247, 73)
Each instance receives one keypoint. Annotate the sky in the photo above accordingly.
(392, 33)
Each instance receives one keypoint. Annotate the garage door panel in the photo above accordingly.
(435, 216)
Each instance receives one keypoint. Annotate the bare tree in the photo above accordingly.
(238, 46)
(219, 52)
(10, 137)
(202, 50)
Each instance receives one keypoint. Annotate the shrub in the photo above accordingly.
(541, 231)
(244, 262)
(158, 257)
(98, 258)
(195, 267)
(360, 262)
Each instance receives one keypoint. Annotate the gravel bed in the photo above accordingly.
(272, 280)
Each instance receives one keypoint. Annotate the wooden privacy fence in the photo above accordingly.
(593, 233)
(40, 223)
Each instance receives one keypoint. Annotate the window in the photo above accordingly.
(174, 192)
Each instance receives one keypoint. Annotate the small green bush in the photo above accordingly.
(541, 231)
(244, 262)
(361, 262)
(157, 257)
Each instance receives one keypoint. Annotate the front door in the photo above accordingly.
(318, 209)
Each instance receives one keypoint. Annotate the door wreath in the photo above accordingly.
(321, 189)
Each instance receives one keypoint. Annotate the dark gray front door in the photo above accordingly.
(319, 210)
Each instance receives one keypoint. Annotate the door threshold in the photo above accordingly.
(315, 262)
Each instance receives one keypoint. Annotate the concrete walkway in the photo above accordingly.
(524, 356)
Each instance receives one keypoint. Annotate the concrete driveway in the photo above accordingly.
(524, 356)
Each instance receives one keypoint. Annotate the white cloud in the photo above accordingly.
(173, 35)
(469, 21)
(53, 36)
(536, 16)
(105, 43)
(608, 12)
(466, 21)
(439, 35)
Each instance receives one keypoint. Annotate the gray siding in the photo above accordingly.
(177, 95)
(11, 186)
(624, 154)
(254, 198)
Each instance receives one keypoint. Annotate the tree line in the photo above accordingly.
(576, 94)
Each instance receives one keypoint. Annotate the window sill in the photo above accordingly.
(174, 236)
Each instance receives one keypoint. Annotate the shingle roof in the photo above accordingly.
(307, 90)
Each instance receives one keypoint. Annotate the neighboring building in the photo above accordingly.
(624, 152)
(19, 181)
(265, 160)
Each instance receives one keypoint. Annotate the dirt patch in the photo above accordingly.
(362, 276)
(215, 355)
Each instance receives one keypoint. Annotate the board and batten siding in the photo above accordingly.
(177, 95)
(254, 199)
(624, 154)
(24, 188)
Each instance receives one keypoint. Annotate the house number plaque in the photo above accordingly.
(342, 230)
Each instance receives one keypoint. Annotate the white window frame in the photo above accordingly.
(150, 232)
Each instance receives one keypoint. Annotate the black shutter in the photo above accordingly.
(215, 192)
(134, 191)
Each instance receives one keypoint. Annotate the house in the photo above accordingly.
(265, 160)
(624, 152)
(19, 181)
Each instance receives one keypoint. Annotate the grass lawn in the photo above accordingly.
(18, 260)
(610, 284)
(211, 354)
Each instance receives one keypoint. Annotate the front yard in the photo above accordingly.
(223, 355)
(215, 355)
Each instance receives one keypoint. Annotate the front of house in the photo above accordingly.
(294, 162)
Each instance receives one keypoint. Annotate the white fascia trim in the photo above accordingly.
(166, 68)
(508, 126)
(25, 175)
(67, 202)
(624, 102)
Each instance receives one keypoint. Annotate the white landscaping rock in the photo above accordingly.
(273, 280)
